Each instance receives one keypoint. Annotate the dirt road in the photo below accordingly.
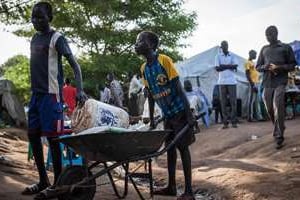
(231, 164)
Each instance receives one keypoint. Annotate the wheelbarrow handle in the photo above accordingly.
(177, 137)
(169, 146)
(156, 122)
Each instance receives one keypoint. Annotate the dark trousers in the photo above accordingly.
(254, 111)
(133, 105)
(228, 92)
(218, 111)
(274, 99)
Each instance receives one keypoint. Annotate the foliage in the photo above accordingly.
(13, 10)
(106, 30)
(16, 69)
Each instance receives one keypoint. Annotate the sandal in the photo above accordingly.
(165, 192)
(48, 193)
(33, 189)
(185, 196)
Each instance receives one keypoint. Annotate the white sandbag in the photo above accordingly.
(95, 114)
(141, 126)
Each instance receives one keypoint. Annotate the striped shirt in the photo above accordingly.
(46, 62)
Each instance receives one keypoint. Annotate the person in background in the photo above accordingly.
(226, 65)
(45, 114)
(69, 96)
(275, 61)
(203, 107)
(254, 112)
(135, 88)
(117, 94)
(101, 91)
(163, 87)
(105, 95)
(199, 92)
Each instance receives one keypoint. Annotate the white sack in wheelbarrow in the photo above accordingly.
(95, 113)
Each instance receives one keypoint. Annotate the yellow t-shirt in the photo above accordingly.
(254, 74)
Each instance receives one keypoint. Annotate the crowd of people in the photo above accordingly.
(274, 63)
(267, 85)
(160, 84)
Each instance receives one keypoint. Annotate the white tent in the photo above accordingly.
(200, 70)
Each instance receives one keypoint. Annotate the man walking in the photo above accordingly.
(275, 61)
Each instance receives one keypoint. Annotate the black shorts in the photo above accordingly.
(176, 123)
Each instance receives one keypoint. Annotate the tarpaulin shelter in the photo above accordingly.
(296, 48)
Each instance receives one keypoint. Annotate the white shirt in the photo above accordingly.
(226, 77)
(135, 86)
(106, 95)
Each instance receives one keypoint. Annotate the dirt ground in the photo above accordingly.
(233, 164)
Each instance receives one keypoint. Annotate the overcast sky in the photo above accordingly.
(241, 22)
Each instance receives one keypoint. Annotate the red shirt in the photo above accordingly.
(69, 94)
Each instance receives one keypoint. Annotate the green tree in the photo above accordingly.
(106, 30)
(16, 69)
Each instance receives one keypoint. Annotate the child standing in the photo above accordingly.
(162, 82)
(45, 115)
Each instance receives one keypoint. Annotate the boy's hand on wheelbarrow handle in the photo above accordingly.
(152, 125)
(153, 122)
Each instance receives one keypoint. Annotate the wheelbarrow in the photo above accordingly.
(79, 183)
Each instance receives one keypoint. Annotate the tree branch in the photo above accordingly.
(6, 9)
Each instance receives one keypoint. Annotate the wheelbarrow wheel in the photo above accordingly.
(73, 175)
